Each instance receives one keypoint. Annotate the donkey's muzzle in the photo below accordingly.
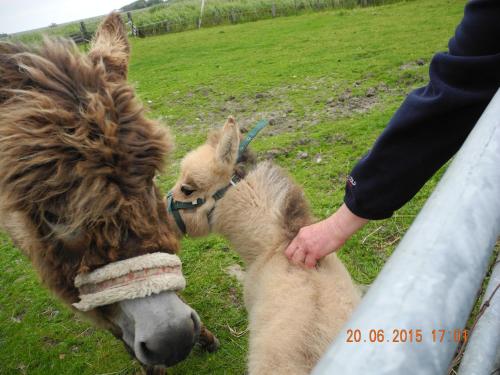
(170, 346)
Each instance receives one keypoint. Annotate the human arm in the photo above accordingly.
(315, 241)
(433, 121)
(425, 132)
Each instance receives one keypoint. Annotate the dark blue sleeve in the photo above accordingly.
(433, 121)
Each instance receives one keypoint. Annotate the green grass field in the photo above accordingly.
(330, 81)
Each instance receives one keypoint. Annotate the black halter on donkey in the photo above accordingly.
(174, 206)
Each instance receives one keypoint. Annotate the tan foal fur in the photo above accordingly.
(294, 313)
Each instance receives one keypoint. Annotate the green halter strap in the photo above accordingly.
(250, 136)
(174, 206)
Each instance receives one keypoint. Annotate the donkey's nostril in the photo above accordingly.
(169, 346)
(145, 350)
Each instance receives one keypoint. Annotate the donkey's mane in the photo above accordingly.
(78, 159)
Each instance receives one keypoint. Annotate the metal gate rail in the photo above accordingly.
(424, 294)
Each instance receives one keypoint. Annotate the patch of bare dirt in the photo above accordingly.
(347, 104)
(234, 296)
(295, 147)
(50, 342)
(319, 100)
(50, 312)
(283, 117)
(413, 64)
(18, 318)
(23, 369)
(21, 279)
(236, 271)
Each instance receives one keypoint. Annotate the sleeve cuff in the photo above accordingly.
(354, 207)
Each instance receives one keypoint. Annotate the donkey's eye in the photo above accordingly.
(186, 190)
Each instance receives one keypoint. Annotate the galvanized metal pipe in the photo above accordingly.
(431, 281)
(482, 355)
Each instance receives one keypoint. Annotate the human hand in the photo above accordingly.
(315, 241)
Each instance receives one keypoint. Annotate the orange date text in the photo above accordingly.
(400, 335)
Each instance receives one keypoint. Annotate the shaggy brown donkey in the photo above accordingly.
(77, 165)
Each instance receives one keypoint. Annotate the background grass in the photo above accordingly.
(329, 81)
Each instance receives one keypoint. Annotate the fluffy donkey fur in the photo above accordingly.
(78, 159)
(294, 313)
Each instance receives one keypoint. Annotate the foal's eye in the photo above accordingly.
(186, 190)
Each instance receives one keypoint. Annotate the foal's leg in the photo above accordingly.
(207, 340)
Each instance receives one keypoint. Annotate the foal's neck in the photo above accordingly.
(249, 221)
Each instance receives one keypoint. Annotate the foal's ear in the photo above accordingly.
(227, 148)
(110, 45)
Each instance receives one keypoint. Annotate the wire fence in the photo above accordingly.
(187, 16)
(224, 16)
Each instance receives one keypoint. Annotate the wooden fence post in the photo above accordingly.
(133, 28)
(83, 30)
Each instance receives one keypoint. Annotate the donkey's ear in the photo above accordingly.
(110, 45)
(227, 148)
